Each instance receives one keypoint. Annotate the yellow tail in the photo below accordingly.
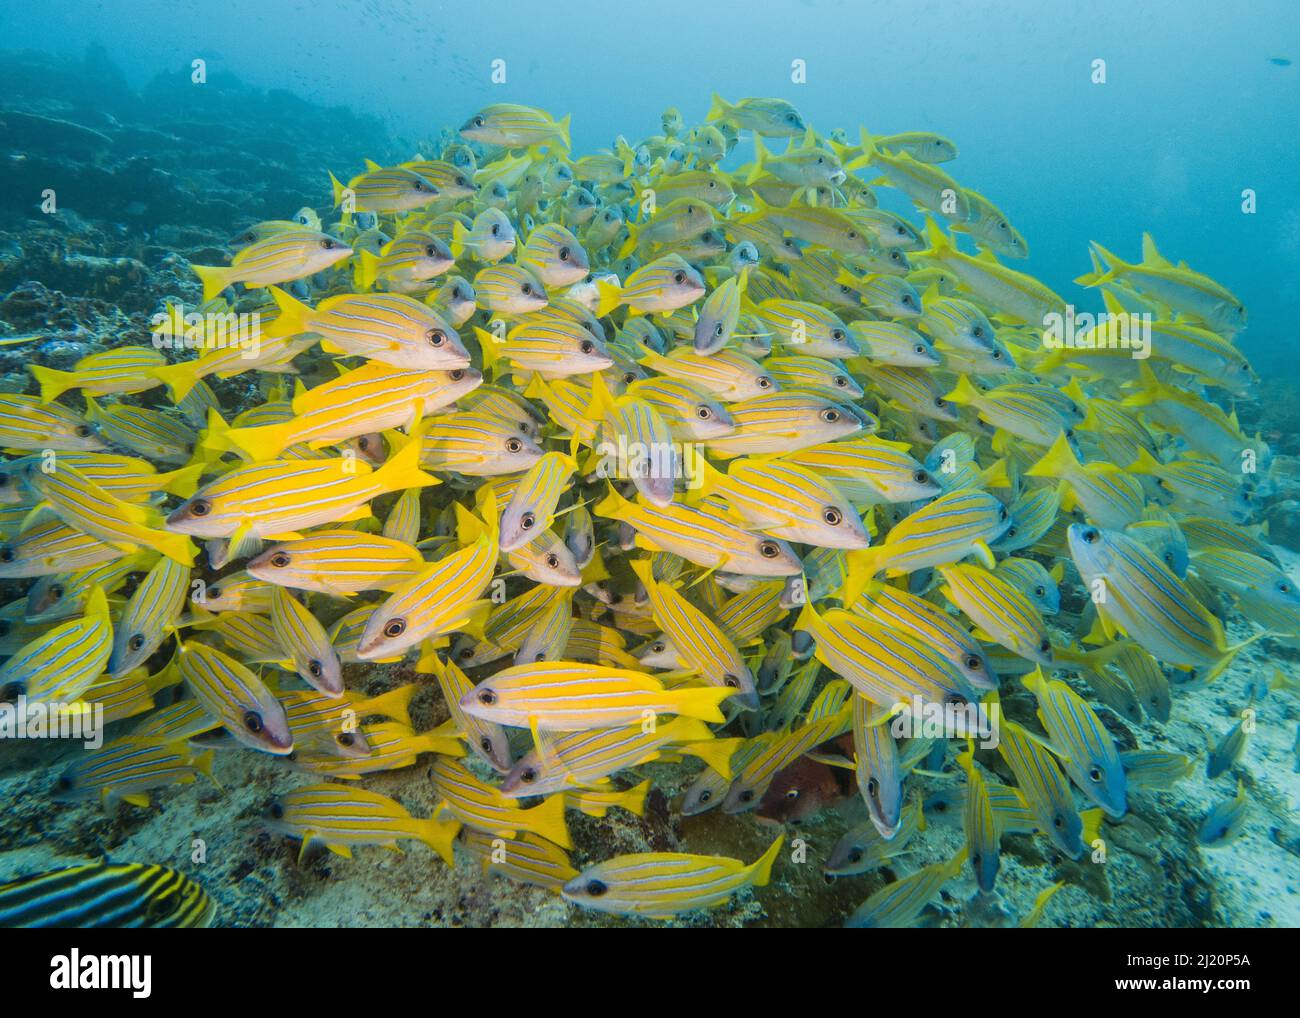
(215, 278)
(53, 383)
(294, 317)
(262, 443)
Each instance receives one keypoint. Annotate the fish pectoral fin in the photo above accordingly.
(985, 554)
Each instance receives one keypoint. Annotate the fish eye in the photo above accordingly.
(830, 416)
(526, 521)
(564, 254)
(628, 378)
(657, 648)
(528, 775)
(747, 795)
(485, 744)
(1090, 536)
(200, 507)
(136, 641)
(456, 375)
(513, 445)
(553, 561)
(466, 653)
(1045, 645)
(703, 413)
(731, 681)
(486, 697)
(314, 669)
(253, 721)
(855, 855)
(64, 783)
(940, 402)
(596, 888)
(1058, 822)
(872, 787)
(977, 332)
(764, 382)
(436, 337)
(719, 329)
(527, 289)
(1284, 587)
(56, 591)
(853, 235)
(971, 661)
(328, 244)
(496, 229)
(1094, 775)
(679, 277)
(832, 516)
(394, 627)
(586, 346)
(345, 739)
(478, 121)
(1040, 591)
(82, 431)
(920, 476)
(997, 355)
(280, 559)
(918, 348)
(769, 549)
(840, 381)
(1002, 513)
(837, 335)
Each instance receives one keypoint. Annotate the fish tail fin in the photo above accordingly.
(869, 151)
(182, 481)
(1057, 461)
(563, 131)
(213, 440)
(395, 703)
(459, 239)
(338, 188)
(53, 383)
(717, 753)
(176, 547)
(701, 702)
(439, 835)
(547, 821)
(367, 269)
(633, 800)
(761, 871)
(214, 278)
(402, 469)
(180, 378)
(261, 443)
(964, 393)
(612, 505)
(761, 156)
(629, 245)
(293, 317)
(940, 242)
(718, 108)
(860, 567)
(1114, 268)
(611, 296)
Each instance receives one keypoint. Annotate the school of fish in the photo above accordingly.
(633, 458)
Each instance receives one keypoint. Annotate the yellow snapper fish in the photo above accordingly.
(389, 327)
(280, 258)
(340, 816)
(383, 189)
(661, 885)
(266, 499)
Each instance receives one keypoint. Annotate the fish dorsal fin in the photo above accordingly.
(1151, 254)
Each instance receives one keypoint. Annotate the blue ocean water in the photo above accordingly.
(1193, 112)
